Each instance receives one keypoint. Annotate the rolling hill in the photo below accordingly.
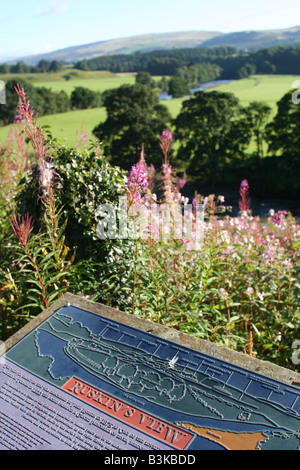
(128, 45)
(256, 39)
(243, 40)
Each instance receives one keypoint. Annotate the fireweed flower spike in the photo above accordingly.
(34, 132)
(36, 135)
(22, 227)
(138, 179)
(165, 143)
(245, 201)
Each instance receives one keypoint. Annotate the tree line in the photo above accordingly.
(47, 101)
(43, 66)
(226, 62)
(218, 62)
(230, 62)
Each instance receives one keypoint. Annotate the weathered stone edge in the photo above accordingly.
(220, 352)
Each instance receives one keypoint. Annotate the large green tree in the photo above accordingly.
(41, 99)
(283, 138)
(83, 98)
(145, 79)
(258, 114)
(134, 117)
(178, 87)
(283, 134)
(8, 110)
(212, 130)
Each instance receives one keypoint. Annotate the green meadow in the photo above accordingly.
(68, 79)
(100, 83)
(68, 126)
(266, 88)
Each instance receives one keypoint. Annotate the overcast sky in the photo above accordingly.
(33, 27)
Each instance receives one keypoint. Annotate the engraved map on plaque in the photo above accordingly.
(83, 381)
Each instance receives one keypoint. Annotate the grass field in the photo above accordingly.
(267, 88)
(100, 83)
(68, 79)
(66, 126)
(69, 126)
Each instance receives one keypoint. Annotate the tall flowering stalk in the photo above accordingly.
(138, 183)
(245, 201)
(165, 142)
(22, 227)
(34, 132)
(43, 253)
(36, 135)
(137, 186)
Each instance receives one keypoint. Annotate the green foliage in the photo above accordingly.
(283, 131)
(178, 87)
(55, 66)
(41, 98)
(43, 272)
(43, 65)
(159, 62)
(246, 71)
(199, 73)
(144, 78)
(4, 68)
(212, 130)
(134, 117)
(258, 114)
(233, 63)
(84, 180)
(8, 110)
(50, 102)
(83, 98)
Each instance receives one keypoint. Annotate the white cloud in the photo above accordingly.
(54, 7)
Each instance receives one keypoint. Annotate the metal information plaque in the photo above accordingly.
(80, 380)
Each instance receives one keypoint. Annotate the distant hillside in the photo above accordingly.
(243, 40)
(143, 43)
(252, 40)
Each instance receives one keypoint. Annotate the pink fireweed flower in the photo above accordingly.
(46, 176)
(138, 179)
(278, 218)
(165, 143)
(223, 293)
(250, 291)
(245, 201)
(35, 133)
(22, 227)
(151, 176)
(181, 183)
(18, 118)
(37, 138)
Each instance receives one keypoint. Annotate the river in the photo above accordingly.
(202, 86)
